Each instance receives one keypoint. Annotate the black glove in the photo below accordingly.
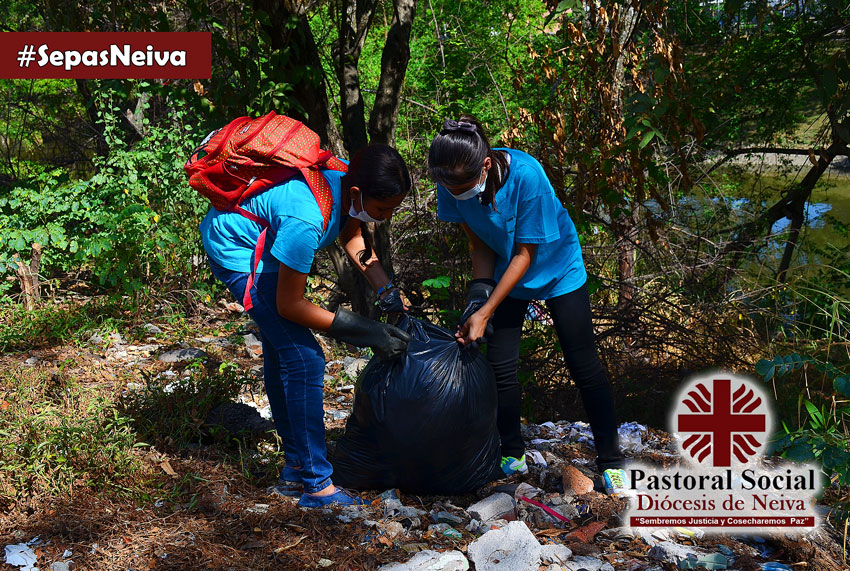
(477, 293)
(391, 303)
(386, 341)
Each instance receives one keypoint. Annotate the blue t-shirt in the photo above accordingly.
(295, 227)
(527, 212)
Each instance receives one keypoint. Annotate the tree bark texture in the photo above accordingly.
(28, 277)
(355, 20)
(394, 60)
(304, 68)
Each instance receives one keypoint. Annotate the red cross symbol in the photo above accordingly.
(722, 422)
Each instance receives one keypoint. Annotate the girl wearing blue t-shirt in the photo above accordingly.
(293, 363)
(524, 247)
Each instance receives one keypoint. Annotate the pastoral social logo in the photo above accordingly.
(724, 421)
(721, 425)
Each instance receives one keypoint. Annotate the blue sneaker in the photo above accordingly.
(617, 483)
(511, 465)
(287, 488)
(341, 497)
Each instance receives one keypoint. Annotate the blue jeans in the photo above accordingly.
(293, 370)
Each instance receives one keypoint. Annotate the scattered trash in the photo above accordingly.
(20, 555)
(429, 560)
(323, 563)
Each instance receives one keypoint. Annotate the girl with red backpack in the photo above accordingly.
(294, 365)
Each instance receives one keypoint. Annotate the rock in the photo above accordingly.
(353, 366)
(575, 483)
(32, 361)
(429, 560)
(253, 346)
(151, 329)
(674, 553)
(588, 564)
(180, 355)
(116, 338)
(337, 414)
(239, 418)
(512, 548)
(323, 563)
(555, 553)
(493, 507)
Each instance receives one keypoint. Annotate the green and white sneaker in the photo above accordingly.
(617, 483)
(511, 465)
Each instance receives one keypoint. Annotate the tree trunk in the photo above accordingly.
(303, 69)
(354, 24)
(796, 215)
(28, 276)
(101, 147)
(626, 225)
(798, 194)
(394, 60)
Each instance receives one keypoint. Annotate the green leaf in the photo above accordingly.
(764, 367)
(646, 139)
(438, 282)
(842, 385)
(800, 451)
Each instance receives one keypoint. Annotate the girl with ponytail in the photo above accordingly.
(524, 247)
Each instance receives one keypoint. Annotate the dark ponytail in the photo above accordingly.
(457, 155)
(379, 172)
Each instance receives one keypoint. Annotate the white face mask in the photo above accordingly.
(472, 192)
(362, 215)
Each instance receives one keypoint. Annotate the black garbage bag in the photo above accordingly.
(425, 423)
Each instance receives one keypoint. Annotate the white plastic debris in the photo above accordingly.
(537, 458)
(20, 555)
(631, 437)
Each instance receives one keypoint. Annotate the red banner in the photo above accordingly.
(105, 55)
(722, 521)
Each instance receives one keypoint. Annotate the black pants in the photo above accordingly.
(571, 315)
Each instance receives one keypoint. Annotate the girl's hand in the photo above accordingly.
(472, 331)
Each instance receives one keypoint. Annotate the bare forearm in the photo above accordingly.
(306, 313)
(517, 267)
(372, 270)
(483, 263)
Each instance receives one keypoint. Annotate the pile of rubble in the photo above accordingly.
(553, 518)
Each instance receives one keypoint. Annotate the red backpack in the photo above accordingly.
(249, 156)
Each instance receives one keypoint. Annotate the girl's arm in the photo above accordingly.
(352, 242)
(483, 258)
(292, 305)
(474, 327)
